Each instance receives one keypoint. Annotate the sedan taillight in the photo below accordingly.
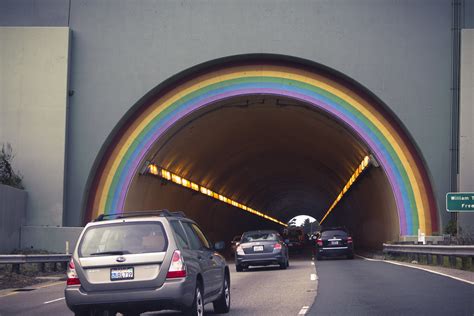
(72, 278)
(349, 240)
(277, 246)
(319, 242)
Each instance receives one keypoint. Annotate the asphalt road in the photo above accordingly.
(259, 291)
(343, 287)
(360, 287)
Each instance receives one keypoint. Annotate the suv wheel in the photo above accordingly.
(222, 304)
(197, 308)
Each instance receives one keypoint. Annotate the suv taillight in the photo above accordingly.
(319, 242)
(72, 278)
(177, 268)
(349, 240)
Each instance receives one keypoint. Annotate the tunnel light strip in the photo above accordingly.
(165, 174)
(362, 166)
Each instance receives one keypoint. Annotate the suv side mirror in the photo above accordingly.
(220, 245)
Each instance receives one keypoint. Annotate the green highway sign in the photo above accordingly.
(460, 202)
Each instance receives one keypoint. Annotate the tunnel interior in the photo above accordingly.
(278, 155)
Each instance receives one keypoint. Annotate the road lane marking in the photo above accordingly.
(419, 268)
(52, 301)
(50, 284)
(312, 263)
(313, 277)
(303, 310)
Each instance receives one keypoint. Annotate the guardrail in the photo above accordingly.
(17, 260)
(415, 252)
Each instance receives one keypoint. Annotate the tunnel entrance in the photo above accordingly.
(280, 135)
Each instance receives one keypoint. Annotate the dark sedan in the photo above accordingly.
(334, 242)
(261, 248)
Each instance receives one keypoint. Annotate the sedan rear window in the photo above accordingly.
(124, 238)
(259, 237)
(333, 233)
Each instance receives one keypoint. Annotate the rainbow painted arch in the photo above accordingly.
(126, 148)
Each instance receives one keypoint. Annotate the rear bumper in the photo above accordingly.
(335, 251)
(260, 259)
(173, 294)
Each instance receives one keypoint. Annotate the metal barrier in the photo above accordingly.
(16, 260)
(465, 252)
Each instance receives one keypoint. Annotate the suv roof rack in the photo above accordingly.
(162, 213)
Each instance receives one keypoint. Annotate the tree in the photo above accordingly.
(7, 174)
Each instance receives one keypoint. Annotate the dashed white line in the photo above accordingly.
(313, 277)
(303, 310)
(52, 301)
(312, 263)
(419, 268)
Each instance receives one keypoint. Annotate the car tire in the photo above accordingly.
(287, 263)
(222, 304)
(319, 257)
(351, 256)
(197, 307)
(239, 268)
(283, 265)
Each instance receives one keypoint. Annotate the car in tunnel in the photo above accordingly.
(334, 242)
(146, 261)
(261, 248)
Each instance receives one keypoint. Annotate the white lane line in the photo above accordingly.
(303, 310)
(58, 299)
(313, 277)
(312, 263)
(419, 268)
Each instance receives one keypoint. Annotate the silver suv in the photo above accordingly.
(146, 261)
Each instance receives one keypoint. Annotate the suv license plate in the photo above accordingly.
(257, 248)
(121, 274)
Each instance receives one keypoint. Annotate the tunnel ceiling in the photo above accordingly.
(274, 154)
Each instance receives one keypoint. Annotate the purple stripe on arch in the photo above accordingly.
(315, 102)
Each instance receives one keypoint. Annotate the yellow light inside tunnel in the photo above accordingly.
(186, 183)
(165, 174)
(153, 169)
(363, 164)
(176, 179)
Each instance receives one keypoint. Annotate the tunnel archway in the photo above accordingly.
(260, 84)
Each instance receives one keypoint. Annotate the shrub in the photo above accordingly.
(7, 175)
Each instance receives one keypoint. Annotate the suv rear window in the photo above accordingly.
(260, 236)
(333, 233)
(124, 238)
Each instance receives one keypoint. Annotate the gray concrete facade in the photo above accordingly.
(33, 111)
(12, 216)
(53, 239)
(399, 50)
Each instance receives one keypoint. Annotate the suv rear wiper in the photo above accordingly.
(116, 252)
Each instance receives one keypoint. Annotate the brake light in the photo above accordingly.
(319, 242)
(177, 268)
(72, 278)
(277, 246)
(349, 240)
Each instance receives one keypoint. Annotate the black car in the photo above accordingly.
(261, 248)
(334, 242)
